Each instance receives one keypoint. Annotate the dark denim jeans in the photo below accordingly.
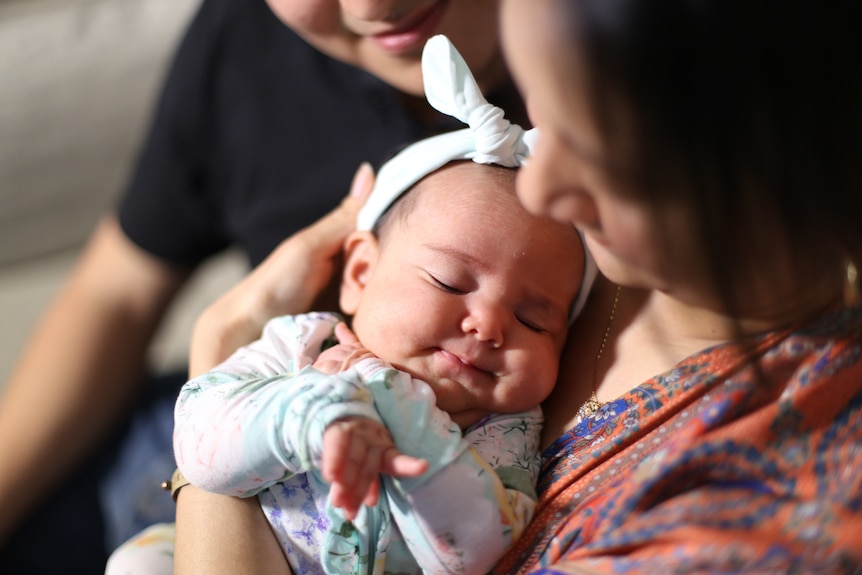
(112, 496)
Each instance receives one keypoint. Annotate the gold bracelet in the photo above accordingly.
(175, 483)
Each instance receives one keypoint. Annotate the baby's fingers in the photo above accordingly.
(353, 451)
(372, 497)
(363, 487)
(398, 464)
(344, 335)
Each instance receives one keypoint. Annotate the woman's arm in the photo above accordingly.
(217, 535)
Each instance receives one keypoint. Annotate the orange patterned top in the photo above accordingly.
(734, 461)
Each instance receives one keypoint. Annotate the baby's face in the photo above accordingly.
(471, 294)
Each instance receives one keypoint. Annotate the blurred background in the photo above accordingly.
(78, 82)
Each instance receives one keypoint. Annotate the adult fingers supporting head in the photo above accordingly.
(363, 183)
(297, 271)
(325, 237)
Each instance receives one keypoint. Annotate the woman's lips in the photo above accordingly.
(415, 33)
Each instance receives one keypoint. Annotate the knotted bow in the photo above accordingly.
(452, 90)
(490, 139)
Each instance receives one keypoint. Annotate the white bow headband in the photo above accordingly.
(490, 139)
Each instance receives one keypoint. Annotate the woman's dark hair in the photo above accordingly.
(741, 109)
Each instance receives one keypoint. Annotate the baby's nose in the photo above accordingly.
(485, 323)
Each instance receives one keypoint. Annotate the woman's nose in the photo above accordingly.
(546, 190)
(485, 322)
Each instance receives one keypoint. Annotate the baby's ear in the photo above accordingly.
(360, 252)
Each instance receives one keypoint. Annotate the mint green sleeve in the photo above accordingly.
(259, 417)
(479, 492)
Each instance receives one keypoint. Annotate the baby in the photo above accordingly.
(461, 305)
(411, 442)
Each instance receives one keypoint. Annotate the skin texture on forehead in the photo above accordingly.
(404, 205)
(468, 273)
(355, 32)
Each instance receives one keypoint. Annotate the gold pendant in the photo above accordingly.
(589, 407)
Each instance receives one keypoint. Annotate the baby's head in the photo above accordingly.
(464, 289)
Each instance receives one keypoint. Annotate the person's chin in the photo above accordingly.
(411, 38)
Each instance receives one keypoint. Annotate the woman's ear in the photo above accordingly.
(360, 253)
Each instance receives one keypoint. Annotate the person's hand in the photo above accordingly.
(288, 281)
(355, 452)
(344, 355)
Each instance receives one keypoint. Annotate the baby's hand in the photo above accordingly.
(344, 355)
(355, 452)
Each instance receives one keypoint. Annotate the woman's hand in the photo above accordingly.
(288, 281)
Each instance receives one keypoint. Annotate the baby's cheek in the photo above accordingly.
(549, 369)
(537, 377)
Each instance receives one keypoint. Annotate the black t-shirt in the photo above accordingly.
(256, 135)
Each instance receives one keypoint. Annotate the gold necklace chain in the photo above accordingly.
(593, 404)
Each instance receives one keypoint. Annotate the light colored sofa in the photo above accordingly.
(78, 80)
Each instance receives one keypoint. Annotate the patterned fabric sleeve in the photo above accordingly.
(478, 494)
(259, 417)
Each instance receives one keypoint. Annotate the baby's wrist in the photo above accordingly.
(369, 367)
